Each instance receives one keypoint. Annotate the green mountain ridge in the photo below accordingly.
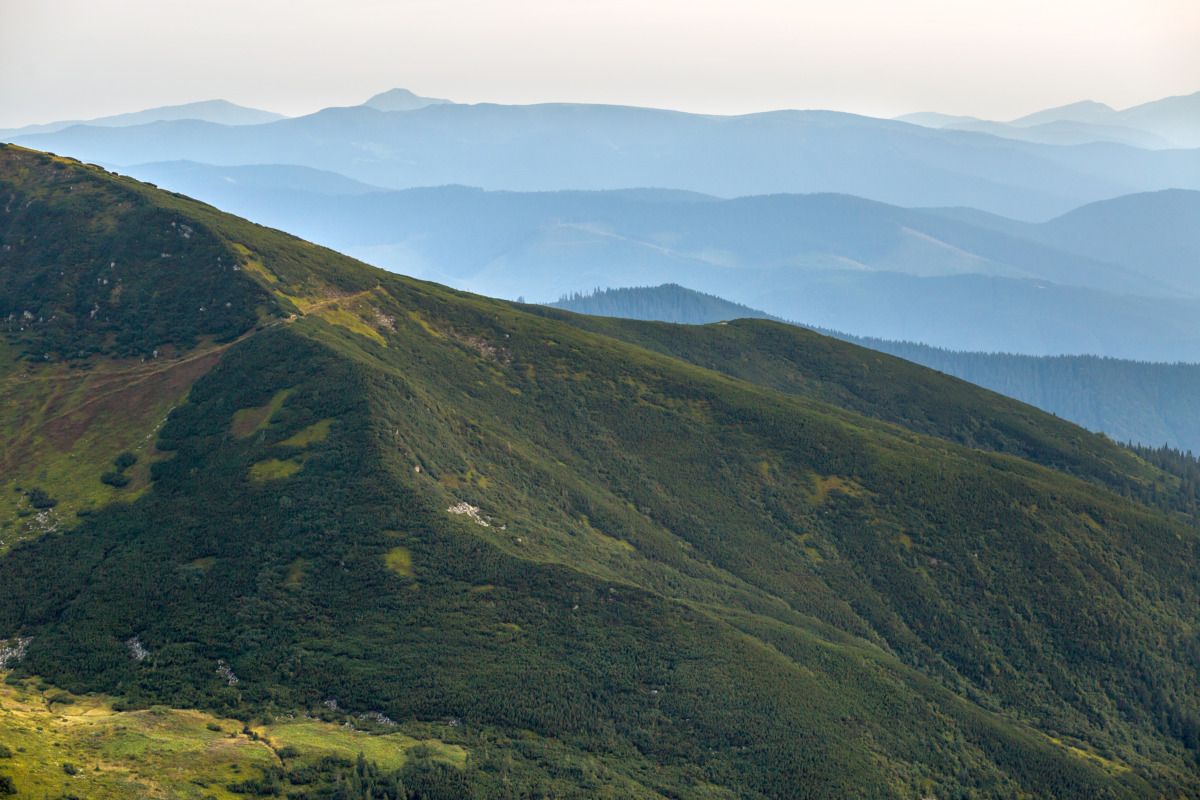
(1145, 403)
(609, 572)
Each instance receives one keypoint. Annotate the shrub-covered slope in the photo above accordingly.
(1131, 401)
(618, 573)
(799, 361)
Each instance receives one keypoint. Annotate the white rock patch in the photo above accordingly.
(226, 672)
(12, 651)
(472, 512)
(137, 650)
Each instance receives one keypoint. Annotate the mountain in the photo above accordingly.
(1174, 118)
(667, 303)
(1083, 111)
(1130, 401)
(1067, 132)
(1172, 122)
(571, 146)
(221, 112)
(249, 475)
(1075, 124)
(1154, 233)
(465, 233)
(953, 278)
(401, 100)
(934, 119)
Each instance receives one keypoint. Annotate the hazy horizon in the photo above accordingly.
(65, 59)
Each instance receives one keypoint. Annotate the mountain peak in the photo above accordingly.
(402, 100)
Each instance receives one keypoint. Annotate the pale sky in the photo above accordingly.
(77, 59)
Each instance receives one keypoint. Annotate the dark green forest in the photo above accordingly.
(623, 559)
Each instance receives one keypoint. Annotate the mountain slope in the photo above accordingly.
(1131, 401)
(1175, 118)
(1067, 132)
(1155, 233)
(1083, 111)
(667, 303)
(704, 587)
(798, 361)
(464, 232)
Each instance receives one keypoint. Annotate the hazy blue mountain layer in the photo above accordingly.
(221, 112)
(565, 146)
(1155, 233)
(1172, 122)
(269, 184)
(401, 100)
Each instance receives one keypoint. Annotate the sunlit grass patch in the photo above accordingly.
(205, 563)
(823, 485)
(420, 320)
(351, 322)
(399, 561)
(247, 421)
(295, 574)
(165, 752)
(390, 751)
(154, 753)
(273, 469)
(317, 432)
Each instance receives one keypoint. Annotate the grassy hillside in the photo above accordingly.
(59, 744)
(610, 571)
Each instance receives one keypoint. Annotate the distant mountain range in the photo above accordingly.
(1116, 278)
(1131, 401)
(1017, 246)
(422, 142)
(221, 112)
(1173, 122)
